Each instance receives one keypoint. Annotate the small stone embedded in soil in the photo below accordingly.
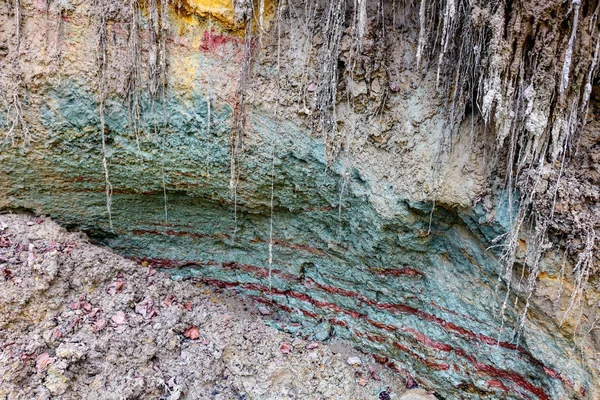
(264, 310)
(374, 375)
(285, 348)
(192, 333)
(80, 304)
(169, 300)
(410, 383)
(56, 382)
(146, 308)
(119, 318)
(99, 324)
(43, 361)
(74, 351)
(385, 395)
(116, 287)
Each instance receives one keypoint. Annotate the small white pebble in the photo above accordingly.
(353, 361)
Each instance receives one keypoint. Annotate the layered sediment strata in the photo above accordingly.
(358, 248)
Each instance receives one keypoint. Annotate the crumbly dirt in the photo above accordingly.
(80, 322)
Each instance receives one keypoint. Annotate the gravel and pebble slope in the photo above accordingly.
(80, 322)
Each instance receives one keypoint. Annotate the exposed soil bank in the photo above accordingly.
(325, 180)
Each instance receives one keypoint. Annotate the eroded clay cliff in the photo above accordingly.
(421, 179)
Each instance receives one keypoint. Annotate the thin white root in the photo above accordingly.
(569, 53)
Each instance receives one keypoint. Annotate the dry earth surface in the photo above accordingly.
(80, 322)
